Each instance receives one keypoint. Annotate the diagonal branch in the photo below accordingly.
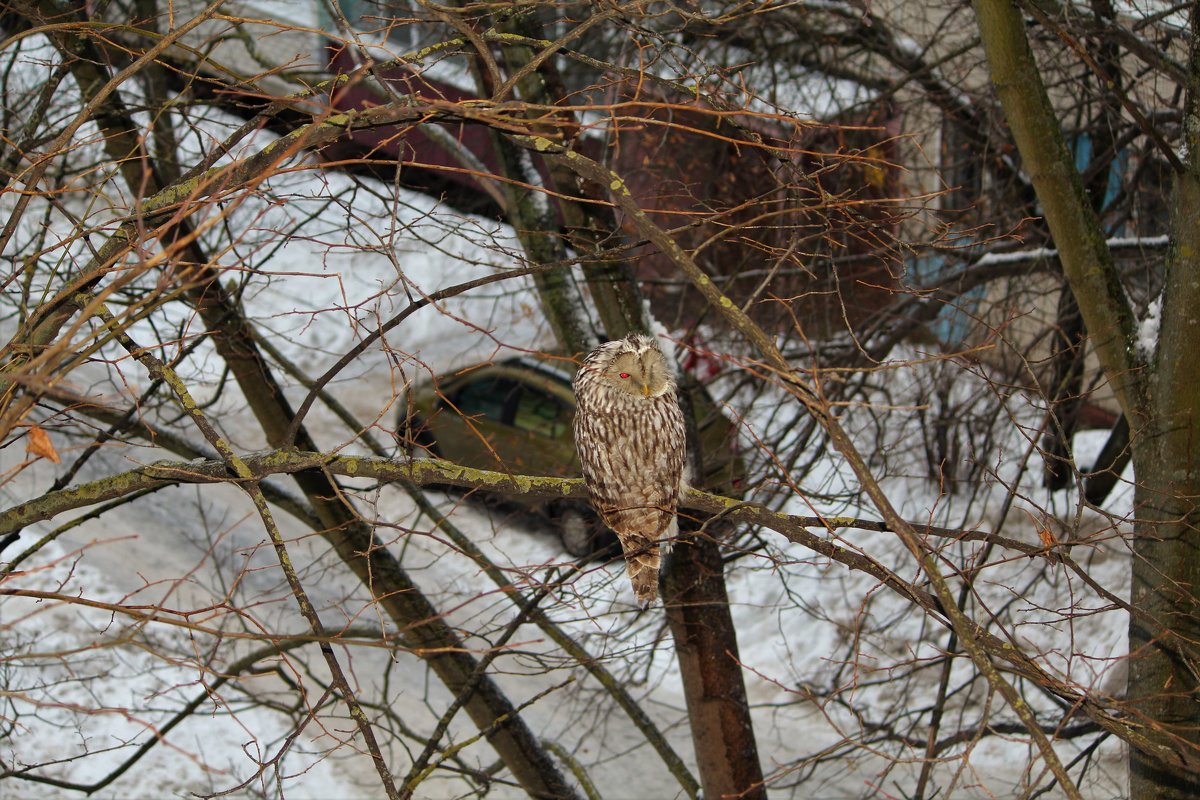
(1086, 260)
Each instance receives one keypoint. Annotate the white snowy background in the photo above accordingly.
(199, 555)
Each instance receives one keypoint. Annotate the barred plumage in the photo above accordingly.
(631, 439)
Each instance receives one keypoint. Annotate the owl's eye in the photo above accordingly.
(624, 374)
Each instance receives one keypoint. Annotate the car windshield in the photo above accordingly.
(541, 414)
(489, 397)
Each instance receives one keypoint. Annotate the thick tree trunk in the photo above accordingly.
(697, 609)
(1164, 683)
(1164, 688)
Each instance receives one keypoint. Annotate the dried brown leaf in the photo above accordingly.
(1047, 536)
(39, 444)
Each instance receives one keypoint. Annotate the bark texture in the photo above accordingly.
(697, 609)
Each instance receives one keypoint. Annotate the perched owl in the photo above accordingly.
(630, 436)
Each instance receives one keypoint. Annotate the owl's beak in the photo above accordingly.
(645, 390)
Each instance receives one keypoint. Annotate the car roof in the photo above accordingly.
(548, 374)
(550, 369)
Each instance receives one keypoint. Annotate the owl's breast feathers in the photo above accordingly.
(632, 450)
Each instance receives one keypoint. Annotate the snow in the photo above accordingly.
(799, 622)
(1147, 335)
(141, 691)
(187, 548)
(1047, 253)
(806, 624)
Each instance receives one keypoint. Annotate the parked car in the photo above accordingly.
(516, 416)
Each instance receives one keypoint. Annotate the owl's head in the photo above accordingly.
(636, 366)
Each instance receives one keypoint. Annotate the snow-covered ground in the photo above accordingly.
(196, 566)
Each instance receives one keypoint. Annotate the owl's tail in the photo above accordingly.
(643, 530)
(643, 565)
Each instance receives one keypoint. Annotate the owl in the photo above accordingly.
(630, 435)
